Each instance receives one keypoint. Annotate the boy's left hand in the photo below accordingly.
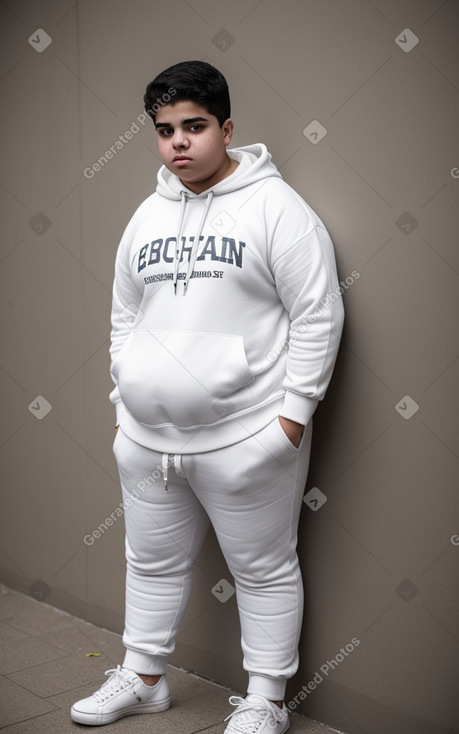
(292, 430)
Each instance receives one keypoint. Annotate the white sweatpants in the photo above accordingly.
(252, 494)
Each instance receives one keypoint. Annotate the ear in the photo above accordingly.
(227, 130)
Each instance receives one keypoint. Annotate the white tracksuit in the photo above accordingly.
(226, 314)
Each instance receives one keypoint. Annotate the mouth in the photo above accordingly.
(181, 160)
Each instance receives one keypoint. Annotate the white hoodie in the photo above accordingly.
(240, 323)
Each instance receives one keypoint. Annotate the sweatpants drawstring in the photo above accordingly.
(165, 467)
(165, 463)
(178, 465)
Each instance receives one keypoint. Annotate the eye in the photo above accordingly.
(165, 132)
(196, 127)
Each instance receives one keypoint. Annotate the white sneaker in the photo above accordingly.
(124, 693)
(256, 715)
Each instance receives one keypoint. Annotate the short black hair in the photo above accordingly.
(197, 81)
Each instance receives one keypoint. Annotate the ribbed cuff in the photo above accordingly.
(271, 688)
(141, 662)
(298, 408)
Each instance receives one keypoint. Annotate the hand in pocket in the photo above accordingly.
(292, 430)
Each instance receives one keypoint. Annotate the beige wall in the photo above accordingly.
(380, 556)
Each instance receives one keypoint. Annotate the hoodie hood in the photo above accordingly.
(254, 165)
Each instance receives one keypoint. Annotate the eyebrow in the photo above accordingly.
(189, 121)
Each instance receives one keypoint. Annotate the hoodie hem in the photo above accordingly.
(200, 439)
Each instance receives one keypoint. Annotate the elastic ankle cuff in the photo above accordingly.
(141, 662)
(271, 688)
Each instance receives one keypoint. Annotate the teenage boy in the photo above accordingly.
(225, 328)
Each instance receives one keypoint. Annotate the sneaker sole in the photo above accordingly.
(228, 730)
(80, 717)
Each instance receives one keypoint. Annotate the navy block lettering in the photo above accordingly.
(208, 249)
(155, 252)
(142, 254)
(237, 252)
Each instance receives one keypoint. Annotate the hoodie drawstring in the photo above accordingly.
(166, 461)
(179, 234)
(194, 251)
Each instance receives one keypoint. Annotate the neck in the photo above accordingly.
(228, 167)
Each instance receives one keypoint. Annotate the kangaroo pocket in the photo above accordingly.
(182, 378)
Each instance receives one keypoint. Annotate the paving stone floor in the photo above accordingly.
(44, 668)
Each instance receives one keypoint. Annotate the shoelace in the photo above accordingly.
(119, 681)
(251, 714)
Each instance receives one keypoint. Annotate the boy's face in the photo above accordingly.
(193, 145)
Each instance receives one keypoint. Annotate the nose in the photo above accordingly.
(180, 139)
